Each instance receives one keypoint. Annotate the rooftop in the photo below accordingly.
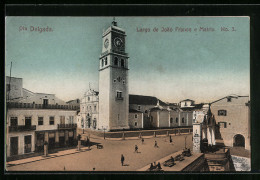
(144, 100)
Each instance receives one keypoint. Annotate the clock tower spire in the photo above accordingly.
(113, 80)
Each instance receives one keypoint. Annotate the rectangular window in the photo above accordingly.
(71, 119)
(45, 102)
(51, 120)
(119, 94)
(228, 99)
(40, 121)
(28, 121)
(95, 108)
(14, 121)
(177, 120)
(182, 120)
(222, 112)
(135, 123)
(222, 124)
(136, 116)
(62, 119)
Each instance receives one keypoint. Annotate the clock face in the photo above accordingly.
(118, 42)
(106, 43)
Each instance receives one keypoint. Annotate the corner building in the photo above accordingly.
(113, 80)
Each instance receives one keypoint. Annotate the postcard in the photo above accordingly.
(137, 94)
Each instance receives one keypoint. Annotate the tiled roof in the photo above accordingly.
(144, 100)
(196, 106)
(186, 100)
(134, 111)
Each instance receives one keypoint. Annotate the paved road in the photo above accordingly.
(108, 158)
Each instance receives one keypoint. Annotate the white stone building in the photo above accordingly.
(35, 118)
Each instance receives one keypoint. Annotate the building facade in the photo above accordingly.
(33, 119)
(232, 114)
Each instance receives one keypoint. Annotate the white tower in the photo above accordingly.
(113, 80)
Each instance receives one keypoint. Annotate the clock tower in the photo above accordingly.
(113, 80)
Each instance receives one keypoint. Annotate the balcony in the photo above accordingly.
(113, 51)
(67, 126)
(40, 106)
(22, 128)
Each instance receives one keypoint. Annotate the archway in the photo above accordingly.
(239, 140)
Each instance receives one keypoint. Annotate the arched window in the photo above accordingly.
(182, 120)
(102, 62)
(116, 61)
(177, 120)
(105, 60)
(171, 120)
(122, 63)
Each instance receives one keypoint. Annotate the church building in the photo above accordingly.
(112, 107)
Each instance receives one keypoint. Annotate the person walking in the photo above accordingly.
(142, 140)
(122, 159)
(170, 140)
(136, 148)
(155, 144)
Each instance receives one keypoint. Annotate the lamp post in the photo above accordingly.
(104, 132)
(123, 135)
(185, 141)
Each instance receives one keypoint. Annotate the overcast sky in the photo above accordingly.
(199, 65)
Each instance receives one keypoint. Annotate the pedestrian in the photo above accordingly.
(159, 165)
(151, 166)
(122, 159)
(136, 148)
(142, 140)
(155, 144)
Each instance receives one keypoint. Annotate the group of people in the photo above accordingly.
(155, 166)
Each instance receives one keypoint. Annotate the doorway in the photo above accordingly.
(239, 141)
(27, 144)
(28, 121)
(13, 146)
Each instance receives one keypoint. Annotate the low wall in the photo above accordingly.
(136, 133)
(200, 164)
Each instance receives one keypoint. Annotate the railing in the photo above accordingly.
(113, 51)
(22, 128)
(41, 106)
(67, 126)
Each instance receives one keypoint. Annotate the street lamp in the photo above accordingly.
(104, 132)
(185, 141)
(123, 136)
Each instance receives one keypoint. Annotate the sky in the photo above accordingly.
(172, 66)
